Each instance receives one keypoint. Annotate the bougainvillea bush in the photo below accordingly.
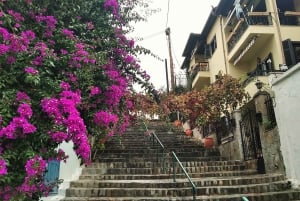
(66, 69)
(208, 104)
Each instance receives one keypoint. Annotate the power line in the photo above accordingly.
(168, 11)
(175, 54)
(151, 35)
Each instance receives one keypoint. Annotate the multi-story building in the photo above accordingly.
(260, 38)
(254, 40)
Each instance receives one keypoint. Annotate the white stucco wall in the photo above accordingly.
(68, 171)
(287, 110)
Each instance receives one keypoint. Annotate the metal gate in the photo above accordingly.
(52, 175)
(250, 132)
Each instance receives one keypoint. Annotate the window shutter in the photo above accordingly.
(289, 52)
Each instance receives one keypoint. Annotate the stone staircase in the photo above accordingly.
(130, 171)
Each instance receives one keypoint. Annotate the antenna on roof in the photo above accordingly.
(213, 10)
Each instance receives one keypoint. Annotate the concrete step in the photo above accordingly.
(271, 196)
(154, 159)
(132, 170)
(180, 183)
(158, 169)
(139, 164)
(168, 175)
(171, 190)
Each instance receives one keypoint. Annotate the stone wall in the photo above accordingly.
(231, 147)
(270, 139)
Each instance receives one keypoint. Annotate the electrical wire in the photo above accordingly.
(168, 11)
(175, 54)
(152, 35)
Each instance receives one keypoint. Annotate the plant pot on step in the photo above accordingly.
(208, 142)
(177, 123)
(189, 132)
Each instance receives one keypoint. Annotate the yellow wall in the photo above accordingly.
(271, 44)
(292, 32)
(217, 62)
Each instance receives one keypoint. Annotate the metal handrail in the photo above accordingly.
(155, 138)
(159, 144)
(194, 187)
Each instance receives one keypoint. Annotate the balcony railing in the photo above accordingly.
(259, 18)
(201, 66)
(253, 18)
(289, 18)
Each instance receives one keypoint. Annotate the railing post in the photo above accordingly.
(174, 173)
(152, 139)
(157, 153)
(194, 193)
(164, 161)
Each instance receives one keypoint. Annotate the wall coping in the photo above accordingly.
(286, 75)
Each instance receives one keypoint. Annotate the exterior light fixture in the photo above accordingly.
(259, 84)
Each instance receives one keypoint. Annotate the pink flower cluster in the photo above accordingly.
(105, 119)
(14, 43)
(68, 33)
(43, 51)
(35, 166)
(3, 169)
(113, 95)
(90, 25)
(112, 5)
(31, 71)
(115, 76)
(81, 56)
(35, 169)
(95, 91)
(20, 125)
(50, 22)
(64, 112)
(61, 155)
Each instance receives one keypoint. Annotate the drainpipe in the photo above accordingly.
(277, 23)
(223, 45)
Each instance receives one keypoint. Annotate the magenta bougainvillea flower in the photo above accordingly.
(95, 90)
(62, 74)
(105, 119)
(31, 70)
(3, 169)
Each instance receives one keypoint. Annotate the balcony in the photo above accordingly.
(200, 75)
(291, 18)
(247, 35)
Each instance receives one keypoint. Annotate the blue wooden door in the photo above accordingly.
(52, 175)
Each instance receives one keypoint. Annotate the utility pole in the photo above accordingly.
(168, 34)
(167, 77)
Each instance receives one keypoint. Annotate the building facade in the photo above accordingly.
(256, 41)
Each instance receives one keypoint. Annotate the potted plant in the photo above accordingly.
(189, 132)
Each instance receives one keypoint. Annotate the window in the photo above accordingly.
(214, 45)
(271, 119)
(211, 47)
(287, 6)
(224, 128)
(291, 52)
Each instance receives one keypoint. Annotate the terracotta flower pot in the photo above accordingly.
(189, 132)
(177, 123)
(208, 142)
